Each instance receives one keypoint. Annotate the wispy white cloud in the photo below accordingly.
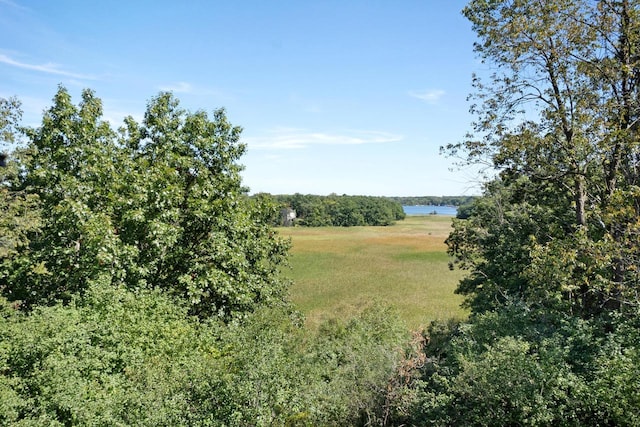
(292, 138)
(429, 96)
(48, 68)
(179, 87)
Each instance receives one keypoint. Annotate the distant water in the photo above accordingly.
(430, 209)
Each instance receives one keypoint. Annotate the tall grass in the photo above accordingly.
(335, 270)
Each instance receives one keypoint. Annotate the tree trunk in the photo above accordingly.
(580, 200)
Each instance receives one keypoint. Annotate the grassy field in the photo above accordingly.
(335, 270)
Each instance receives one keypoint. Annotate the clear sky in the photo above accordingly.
(340, 96)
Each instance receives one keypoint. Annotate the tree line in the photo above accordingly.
(339, 211)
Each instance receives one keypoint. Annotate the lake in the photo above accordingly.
(430, 209)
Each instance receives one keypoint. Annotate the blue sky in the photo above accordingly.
(342, 96)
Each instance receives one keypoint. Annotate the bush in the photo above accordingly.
(112, 358)
(115, 357)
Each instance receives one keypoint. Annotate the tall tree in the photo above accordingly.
(156, 205)
(559, 117)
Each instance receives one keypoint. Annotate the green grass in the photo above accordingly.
(336, 270)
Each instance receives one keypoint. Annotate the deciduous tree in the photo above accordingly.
(158, 204)
(558, 118)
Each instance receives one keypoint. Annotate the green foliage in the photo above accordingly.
(279, 374)
(495, 242)
(357, 359)
(508, 385)
(10, 115)
(115, 357)
(523, 366)
(158, 205)
(616, 375)
(112, 358)
(19, 213)
(558, 120)
(465, 211)
(341, 211)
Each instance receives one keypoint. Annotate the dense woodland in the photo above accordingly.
(142, 286)
(340, 211)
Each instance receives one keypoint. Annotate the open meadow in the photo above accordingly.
(337, 269)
